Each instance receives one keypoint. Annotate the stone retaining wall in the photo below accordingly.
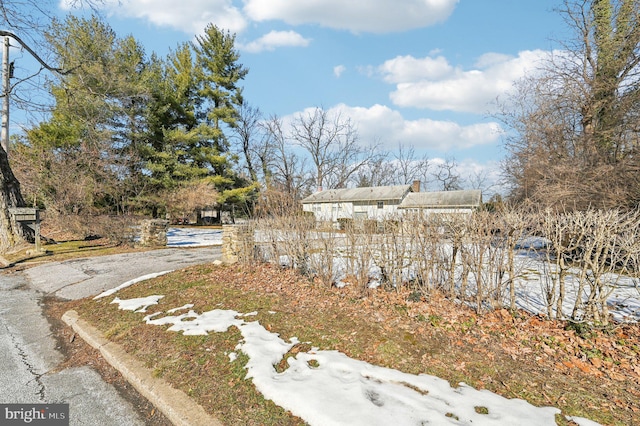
(153, 233)
(237, 243)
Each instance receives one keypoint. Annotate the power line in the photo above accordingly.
(7, 71)
(33, 53)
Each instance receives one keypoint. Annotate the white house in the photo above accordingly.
(465, 201)
(377, 202)
(384, 202)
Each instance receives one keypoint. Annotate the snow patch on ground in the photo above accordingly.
(193, 237)
(327, 387)
(130, 283)
(137, 305)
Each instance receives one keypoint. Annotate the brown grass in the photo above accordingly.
(594, 374)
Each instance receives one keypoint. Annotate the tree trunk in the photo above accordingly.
(11, 233)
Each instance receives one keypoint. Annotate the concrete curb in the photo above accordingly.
(174, 404)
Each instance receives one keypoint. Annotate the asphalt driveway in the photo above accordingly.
(29, 358)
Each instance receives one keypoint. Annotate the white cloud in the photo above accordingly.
(338, 70)
(381, 123)
(375, 16)
(403, 69)
(489, 59)
(433, 83)
(190, 16)
(275, 39)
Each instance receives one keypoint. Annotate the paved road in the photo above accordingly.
(28, 354)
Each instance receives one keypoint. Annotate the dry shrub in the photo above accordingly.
(470, 257)
(115, 229)
(274, 203)
(597, 247)
(604, 186)
(184, 200)
(360, 252)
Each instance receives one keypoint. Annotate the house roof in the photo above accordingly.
(374, 193)
(442, 199)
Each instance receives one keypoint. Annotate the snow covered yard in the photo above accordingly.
(193, 237)
(623, 302)
(326, 387)
(329, 388)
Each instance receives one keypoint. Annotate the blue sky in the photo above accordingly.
(422, 73)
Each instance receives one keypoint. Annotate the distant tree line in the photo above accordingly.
(132, 134)
(128, 133)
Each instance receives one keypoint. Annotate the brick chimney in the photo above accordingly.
(415, 187)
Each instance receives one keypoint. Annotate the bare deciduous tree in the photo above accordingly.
(400, 167)
(409, 167)
(575, 139)
(283, 168)
(447, 176)
(246, 131)
(379, 172)
(332, 143)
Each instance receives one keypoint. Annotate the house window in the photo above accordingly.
(380, 204)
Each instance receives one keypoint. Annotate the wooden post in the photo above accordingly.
(30, 216)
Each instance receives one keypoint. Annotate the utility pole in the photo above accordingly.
(6, 75)
(6, 82)
(11, 230)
